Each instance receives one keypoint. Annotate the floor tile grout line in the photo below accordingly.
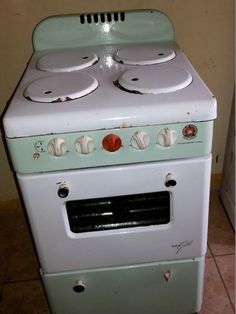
(208, 245)
(214, 256)
(21, 281)
(222, 279)
(218, 254)
(227, 254)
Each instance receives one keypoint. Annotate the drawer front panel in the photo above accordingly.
(163, 288)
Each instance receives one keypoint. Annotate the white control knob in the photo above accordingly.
(167, 137)
(139, 140)
(57, 147)
(84, 145)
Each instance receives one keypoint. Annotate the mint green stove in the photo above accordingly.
(110, 133)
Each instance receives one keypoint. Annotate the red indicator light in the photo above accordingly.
(190, 131)
(111, 142)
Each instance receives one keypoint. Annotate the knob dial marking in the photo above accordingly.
(84, 145)
(57, 147)
(140, 140)
(167, 137)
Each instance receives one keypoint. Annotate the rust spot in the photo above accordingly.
(62, 99)
(117, 84)
(125, 125)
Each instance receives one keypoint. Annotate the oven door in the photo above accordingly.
(119, 215)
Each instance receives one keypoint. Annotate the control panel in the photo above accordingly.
(110, 147)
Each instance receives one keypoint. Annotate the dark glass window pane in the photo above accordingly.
(119, 212)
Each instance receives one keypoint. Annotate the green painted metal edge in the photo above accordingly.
(80, 30)
(37, 146)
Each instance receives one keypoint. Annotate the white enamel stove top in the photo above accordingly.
(145, 78)
(107, 87)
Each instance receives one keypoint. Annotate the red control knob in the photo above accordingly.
(111, 142)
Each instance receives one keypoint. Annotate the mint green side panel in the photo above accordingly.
(30, 154)
(66, 31)
(140, 289)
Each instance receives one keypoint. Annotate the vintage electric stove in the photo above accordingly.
(110, 133)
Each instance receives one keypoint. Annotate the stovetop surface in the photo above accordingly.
(105, 87)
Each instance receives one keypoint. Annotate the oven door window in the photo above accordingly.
(119, 212)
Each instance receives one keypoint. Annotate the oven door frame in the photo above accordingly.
(59, 249)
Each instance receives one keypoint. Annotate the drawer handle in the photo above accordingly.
(79, 286)
(167, 275)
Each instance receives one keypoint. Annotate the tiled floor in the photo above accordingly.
(21, 291)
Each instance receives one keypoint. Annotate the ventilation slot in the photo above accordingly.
(119, 212)
(102, 18)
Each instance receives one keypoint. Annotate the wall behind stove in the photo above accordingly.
(204, 29)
